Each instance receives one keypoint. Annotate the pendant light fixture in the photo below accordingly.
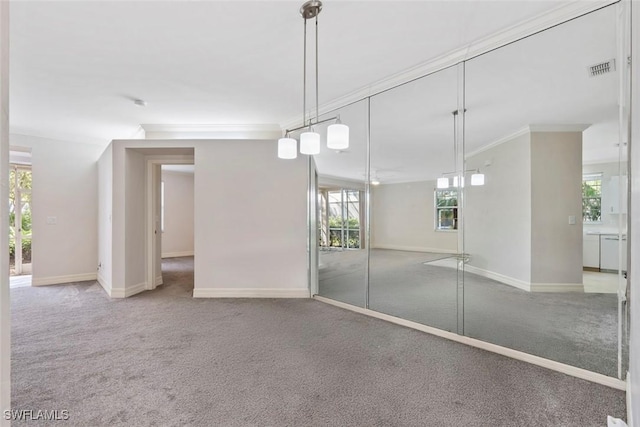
(337, 133)
(477, 178)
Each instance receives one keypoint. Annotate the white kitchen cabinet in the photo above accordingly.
(614, 198)
(609, 252)
(591, 251)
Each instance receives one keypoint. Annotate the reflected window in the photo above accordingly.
(340, 221)
(592, 197)
(446, 203)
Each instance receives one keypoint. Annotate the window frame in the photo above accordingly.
(592, 176)
(437, 209)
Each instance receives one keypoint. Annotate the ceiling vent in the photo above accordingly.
(602, 68)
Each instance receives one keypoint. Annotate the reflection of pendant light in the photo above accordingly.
(476, 179)
(338, 136)
(338, 133)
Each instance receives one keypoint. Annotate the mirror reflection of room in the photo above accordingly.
(544, 233)
(495, 205)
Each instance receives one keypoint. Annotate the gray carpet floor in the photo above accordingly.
(574, 328)
(162, 358)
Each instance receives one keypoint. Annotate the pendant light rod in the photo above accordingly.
(306, 125)
(304, 76)
(317, 102)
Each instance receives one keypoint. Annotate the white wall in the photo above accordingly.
(250, 211)
(556, 194)
(402, 218)
(634, 274)
(105, 200)
(498, 214)
(5, 307)
(177, 237)
(65, 186)
(250, 221)
(135, 219)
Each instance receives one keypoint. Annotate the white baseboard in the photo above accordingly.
(177, 254)
(494, 348)
(56, 280)
(414, 249)
(105, 285)
(525, 286)
(128, 291)
(511, 281)
(159, 280)
(250, 293)
(557, 287)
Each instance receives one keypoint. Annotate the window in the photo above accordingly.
(592, 197)
(446, 202)
(340, 218)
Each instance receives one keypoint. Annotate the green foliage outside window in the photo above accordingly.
(592, 198)
(24, 183)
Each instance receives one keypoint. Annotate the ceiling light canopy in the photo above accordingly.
(337, 133)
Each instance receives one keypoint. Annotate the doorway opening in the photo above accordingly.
(177, 228)
(20, 218)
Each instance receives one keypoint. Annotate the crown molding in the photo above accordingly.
(525, 130)
(212, 131)
(578, 127)
(563, 13)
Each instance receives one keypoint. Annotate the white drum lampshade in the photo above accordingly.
(287, 148)
(310, 143)
(338, 136)
(477, 179)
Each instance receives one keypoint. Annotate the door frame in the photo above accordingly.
(154, 163)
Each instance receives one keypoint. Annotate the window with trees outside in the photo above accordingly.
(340, 219)
(592, 197)
(446, 203)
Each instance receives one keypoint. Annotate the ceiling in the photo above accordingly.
(541, 81)
(77, 66)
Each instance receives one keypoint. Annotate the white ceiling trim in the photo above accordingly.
(559, 128)
(510, 34)
(528, 129)
(525, 130)
(211, 131)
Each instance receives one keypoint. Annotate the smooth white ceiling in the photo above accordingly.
(540, 81)
(76, 66)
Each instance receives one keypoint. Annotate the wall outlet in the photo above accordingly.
(52, 220)
(572, 220)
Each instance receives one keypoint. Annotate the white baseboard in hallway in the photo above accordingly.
(58, 280)
(250, 293)
(494, 348)
(128, 291)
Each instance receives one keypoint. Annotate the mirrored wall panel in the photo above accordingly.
(341, 210)
(545, 235)
(414, 224)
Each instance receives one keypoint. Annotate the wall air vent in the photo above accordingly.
(602, 68)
